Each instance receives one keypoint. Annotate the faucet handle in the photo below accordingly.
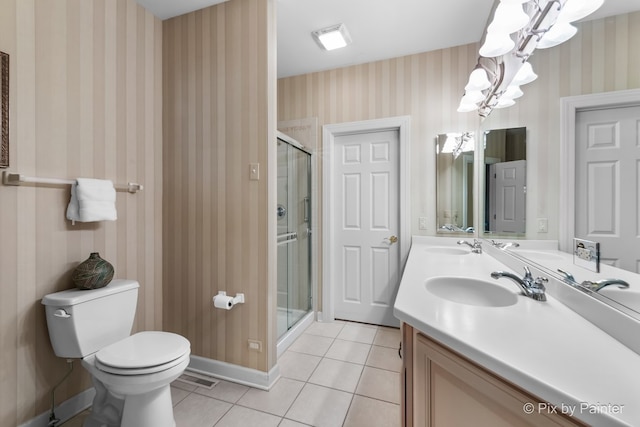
(527, 273)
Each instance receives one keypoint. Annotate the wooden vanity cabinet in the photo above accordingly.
(441, 388)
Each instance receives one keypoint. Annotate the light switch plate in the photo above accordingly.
(586, 254)
(254, 171)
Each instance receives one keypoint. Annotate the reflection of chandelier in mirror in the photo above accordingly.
(517, 29)
(457, 143)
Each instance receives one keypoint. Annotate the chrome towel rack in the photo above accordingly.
(9, 178)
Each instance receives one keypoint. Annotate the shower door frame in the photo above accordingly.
(288, 336)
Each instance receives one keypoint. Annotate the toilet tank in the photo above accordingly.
(82, 322)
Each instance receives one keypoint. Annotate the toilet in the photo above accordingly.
(131, 373)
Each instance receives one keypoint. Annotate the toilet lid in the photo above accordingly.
(144, 350)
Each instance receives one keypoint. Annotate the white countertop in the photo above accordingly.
(543, 347)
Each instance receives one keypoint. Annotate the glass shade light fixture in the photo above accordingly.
(333, 37)
(457, 143)
(516, 29)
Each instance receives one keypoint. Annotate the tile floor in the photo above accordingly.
(334, 374)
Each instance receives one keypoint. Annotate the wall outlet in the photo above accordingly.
(586, 254)
(543, 225)
(255, 345)
(422, 223)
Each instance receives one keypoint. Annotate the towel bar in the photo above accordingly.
(18, 179)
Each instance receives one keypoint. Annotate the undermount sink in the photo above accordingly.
(446, 251)
(470, 291)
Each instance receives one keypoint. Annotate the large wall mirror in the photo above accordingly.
(504, 181)
(454, 182)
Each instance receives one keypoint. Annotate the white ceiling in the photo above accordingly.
(380, 29)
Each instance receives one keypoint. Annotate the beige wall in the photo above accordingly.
(219, 104)
(428, 86)
(85, 101)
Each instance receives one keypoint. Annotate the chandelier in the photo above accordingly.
(518, 28)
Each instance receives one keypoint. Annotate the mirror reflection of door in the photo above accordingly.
(606, 195)
(505, 181)
(507, 196)
(454, 182)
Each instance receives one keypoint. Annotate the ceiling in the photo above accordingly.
(380, 29)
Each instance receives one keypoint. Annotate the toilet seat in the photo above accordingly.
(143, 353)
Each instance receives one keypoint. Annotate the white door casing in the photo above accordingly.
(570, 108)
(357, 251)
(607, 166)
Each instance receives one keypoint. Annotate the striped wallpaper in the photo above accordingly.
(219, 226)
(603, 56)
(86, 100)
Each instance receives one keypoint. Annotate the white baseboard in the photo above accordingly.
(66, 410)
(235, 373)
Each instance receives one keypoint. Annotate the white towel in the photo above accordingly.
(92, 200)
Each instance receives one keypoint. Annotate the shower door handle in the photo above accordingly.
(286, 238)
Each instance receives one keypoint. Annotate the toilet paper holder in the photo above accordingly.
(226, 302)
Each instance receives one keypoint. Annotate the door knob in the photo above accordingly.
(393, 239)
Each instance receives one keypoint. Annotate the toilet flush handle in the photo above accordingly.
(61, 313)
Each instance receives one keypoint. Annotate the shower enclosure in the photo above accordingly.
(294, 233)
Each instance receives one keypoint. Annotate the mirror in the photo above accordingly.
(624, 299)
(505, 185)
(454, 182)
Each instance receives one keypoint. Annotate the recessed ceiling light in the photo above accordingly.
(333, 37)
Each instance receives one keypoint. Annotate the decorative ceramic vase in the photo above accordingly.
(93, 273)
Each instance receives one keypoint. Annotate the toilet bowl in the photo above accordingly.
(138, 372)
(131, 373)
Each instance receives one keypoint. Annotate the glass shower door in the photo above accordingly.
(294, 235)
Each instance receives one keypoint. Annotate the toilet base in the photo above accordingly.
(150, 409)
(106, 409)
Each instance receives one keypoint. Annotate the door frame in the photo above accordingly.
(570, 107)
(329, 134)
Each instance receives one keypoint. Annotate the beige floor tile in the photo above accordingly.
(290, 423)
(320, 406)
(325, 329)
(337, 374)
(177, 394)
(379, 384)
(297, 366)
(358, 333)
(201, 411)
(384, 358)
(372, 413)
(349, 351)
(388, 337)
(239, 416)
(224, 390)
(311, 344)
(275, 401)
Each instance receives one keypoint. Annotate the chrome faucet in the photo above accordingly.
(505, 245)
(568, 277)
(476, 247)
(533, 288)
(596, 286)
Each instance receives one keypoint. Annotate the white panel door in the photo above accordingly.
(607, 183)
(366, 255)
(510, 195)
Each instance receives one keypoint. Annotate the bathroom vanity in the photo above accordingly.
(478, 352)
